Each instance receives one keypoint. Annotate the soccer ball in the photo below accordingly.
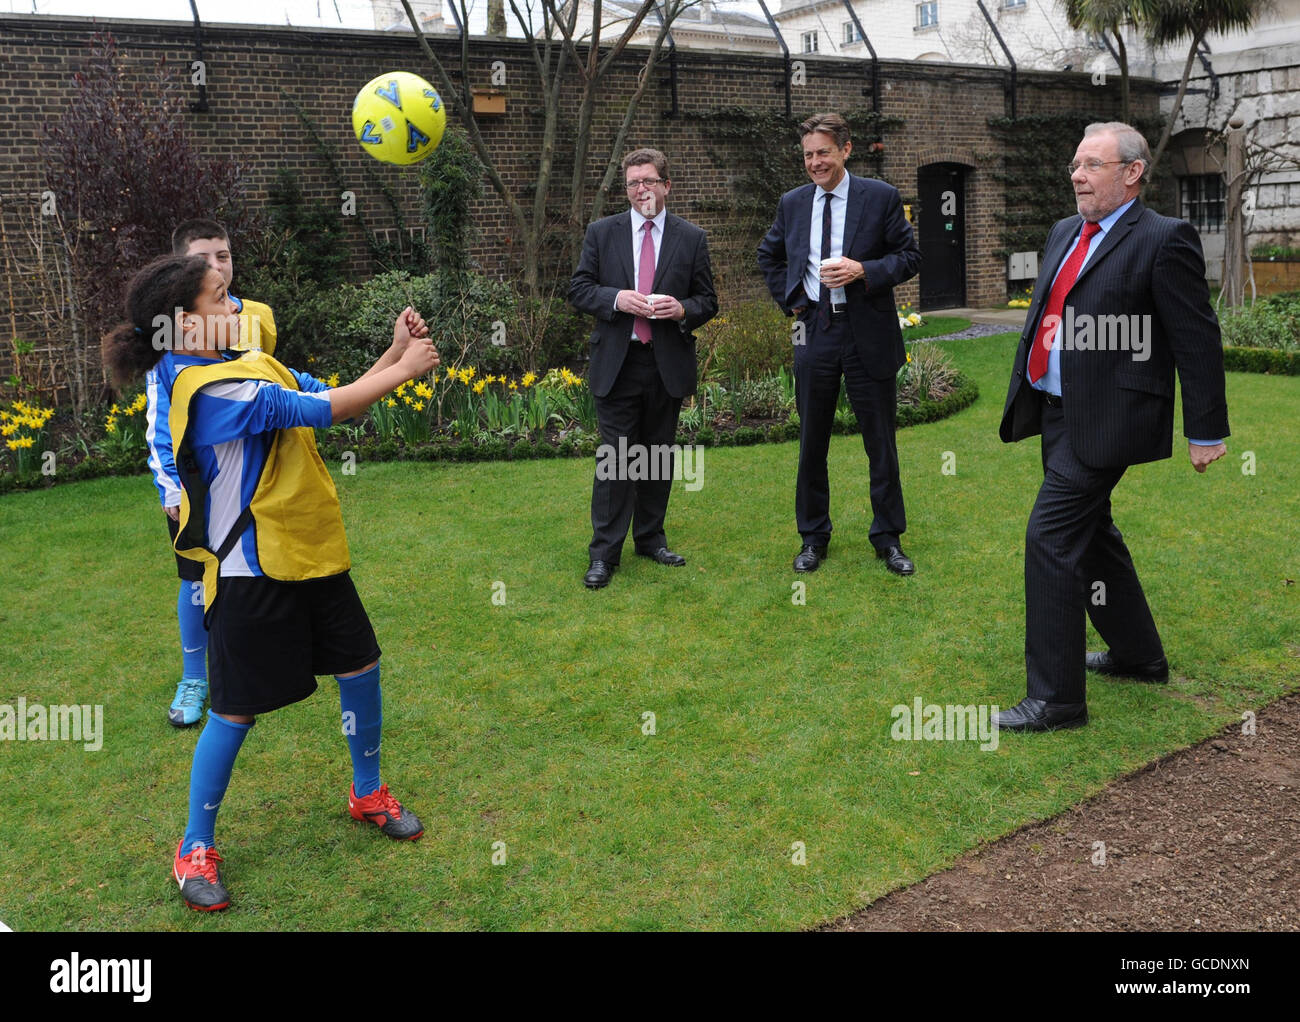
(398, 118)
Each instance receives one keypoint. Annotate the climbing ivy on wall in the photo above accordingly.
(1035, 153)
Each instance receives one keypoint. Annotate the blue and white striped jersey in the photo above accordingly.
(158, 435)
(231, 426)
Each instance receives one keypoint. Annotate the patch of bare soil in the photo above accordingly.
(1205, 839)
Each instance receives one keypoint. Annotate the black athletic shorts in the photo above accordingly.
(268, 640)
(189, 571)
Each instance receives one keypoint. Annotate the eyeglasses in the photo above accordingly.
(649, 182)
(1092, 166)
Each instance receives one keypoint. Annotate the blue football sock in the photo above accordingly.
(194, 637)
(214, 759)
(363, 724)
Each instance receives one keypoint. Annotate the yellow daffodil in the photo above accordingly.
(478, 387)
(418, 406)
(423, 390)
(530, 379)
(333, 380)
(391, 403)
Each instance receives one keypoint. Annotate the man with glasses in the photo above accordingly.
(836, 251)
(645, 275)
(1120, 302)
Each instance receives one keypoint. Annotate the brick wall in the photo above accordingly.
(945, 110)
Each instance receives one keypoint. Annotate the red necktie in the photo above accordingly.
(1050, 321)
(645, 280)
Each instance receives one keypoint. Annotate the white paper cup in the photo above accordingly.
(652, 299)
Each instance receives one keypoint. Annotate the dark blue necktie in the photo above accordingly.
(824, 294)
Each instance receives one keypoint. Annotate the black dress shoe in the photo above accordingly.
(598, 574)
(897, 561)
(809, 558)
(664, 556)
(1038, 715)
(1152, 670)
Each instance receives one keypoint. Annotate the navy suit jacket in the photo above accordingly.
(605, 268)
(1119, 409)
(876, 234)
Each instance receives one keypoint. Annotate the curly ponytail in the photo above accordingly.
(166, 284)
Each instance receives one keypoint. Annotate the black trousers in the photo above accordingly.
(637, 411)
(1076, 563)
(827, 356)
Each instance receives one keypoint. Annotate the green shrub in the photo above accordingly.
(748, 341)
(1275, 252)
(1261, 360)
(1272, 322)
(761, 398)
(310, 319)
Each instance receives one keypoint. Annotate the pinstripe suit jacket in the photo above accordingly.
(1119, 406)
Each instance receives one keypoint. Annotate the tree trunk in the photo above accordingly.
(1178, 102)
(1125, 110)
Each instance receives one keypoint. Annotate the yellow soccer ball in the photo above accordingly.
(398, 118)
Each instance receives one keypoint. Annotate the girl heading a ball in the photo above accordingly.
(260, 513)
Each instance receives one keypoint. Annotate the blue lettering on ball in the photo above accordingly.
(368, 134)
(391, 94)
(415, 138)
(437, 100)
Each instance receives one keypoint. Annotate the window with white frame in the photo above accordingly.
(851, 34)
(810, 42)
(927, 14)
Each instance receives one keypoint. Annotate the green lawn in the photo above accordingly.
(522, 723)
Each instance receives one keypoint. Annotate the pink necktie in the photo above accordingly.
(1050, 320)
(645, 280)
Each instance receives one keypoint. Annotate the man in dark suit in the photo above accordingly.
(832, 258)
(1121, 300)
(644, 274)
